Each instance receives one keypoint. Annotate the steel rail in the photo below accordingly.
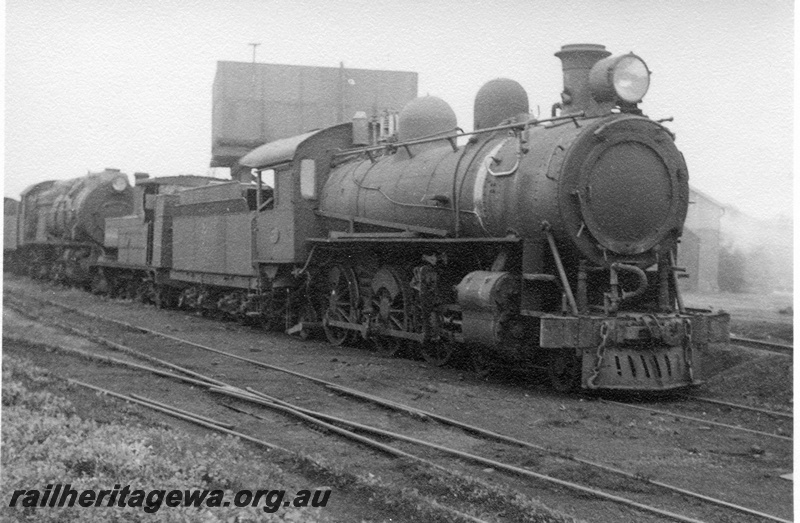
(223, 387)
(778, 348)
(401, 437)
(213, 424)
(236, 392)
(425, 414)
(317, 417)
(418, 413)
(220, 426)
(602, 466)
(113, 361)
(170, 407)
(126, 350)
(217, 425)
(346, 390)
(700, 420)
(179, 413)
(224, 428)
(739, 406)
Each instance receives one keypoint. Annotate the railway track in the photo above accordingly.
(700, 399)
(779, 348)
(345, 390)
(705, 421)
(253, 396)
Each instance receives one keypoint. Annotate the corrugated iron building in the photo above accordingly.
(10, 207)
(256, 103)
(700, 244)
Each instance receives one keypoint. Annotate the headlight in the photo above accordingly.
(119, 184)
(620, 78)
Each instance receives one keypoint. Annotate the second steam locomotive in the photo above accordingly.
(551, 241)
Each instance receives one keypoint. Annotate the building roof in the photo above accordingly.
(274, 153)
(189, 180)
(262, 65)
(711, 200)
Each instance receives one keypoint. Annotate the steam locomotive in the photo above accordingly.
(549, 241)
(59, 227)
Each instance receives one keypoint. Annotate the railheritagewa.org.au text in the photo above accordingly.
(151, 501)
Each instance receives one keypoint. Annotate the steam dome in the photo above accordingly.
(499, 100)
(424, 117)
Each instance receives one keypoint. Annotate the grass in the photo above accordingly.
(45, 442)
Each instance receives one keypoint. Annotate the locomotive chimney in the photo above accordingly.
(577, 60)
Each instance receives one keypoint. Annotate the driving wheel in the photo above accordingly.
(342, 290)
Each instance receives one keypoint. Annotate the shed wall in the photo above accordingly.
(700, 245)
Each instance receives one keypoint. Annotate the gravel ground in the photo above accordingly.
(738, 467)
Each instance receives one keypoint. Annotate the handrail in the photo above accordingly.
(515, 125)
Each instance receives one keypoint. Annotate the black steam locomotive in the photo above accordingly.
(550, 241)
(59, 227)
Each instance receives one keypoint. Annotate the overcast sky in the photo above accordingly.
(127, 84)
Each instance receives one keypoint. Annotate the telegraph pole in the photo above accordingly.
(253, 79)
(256, 98)
(340, 112)
(254, 45)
